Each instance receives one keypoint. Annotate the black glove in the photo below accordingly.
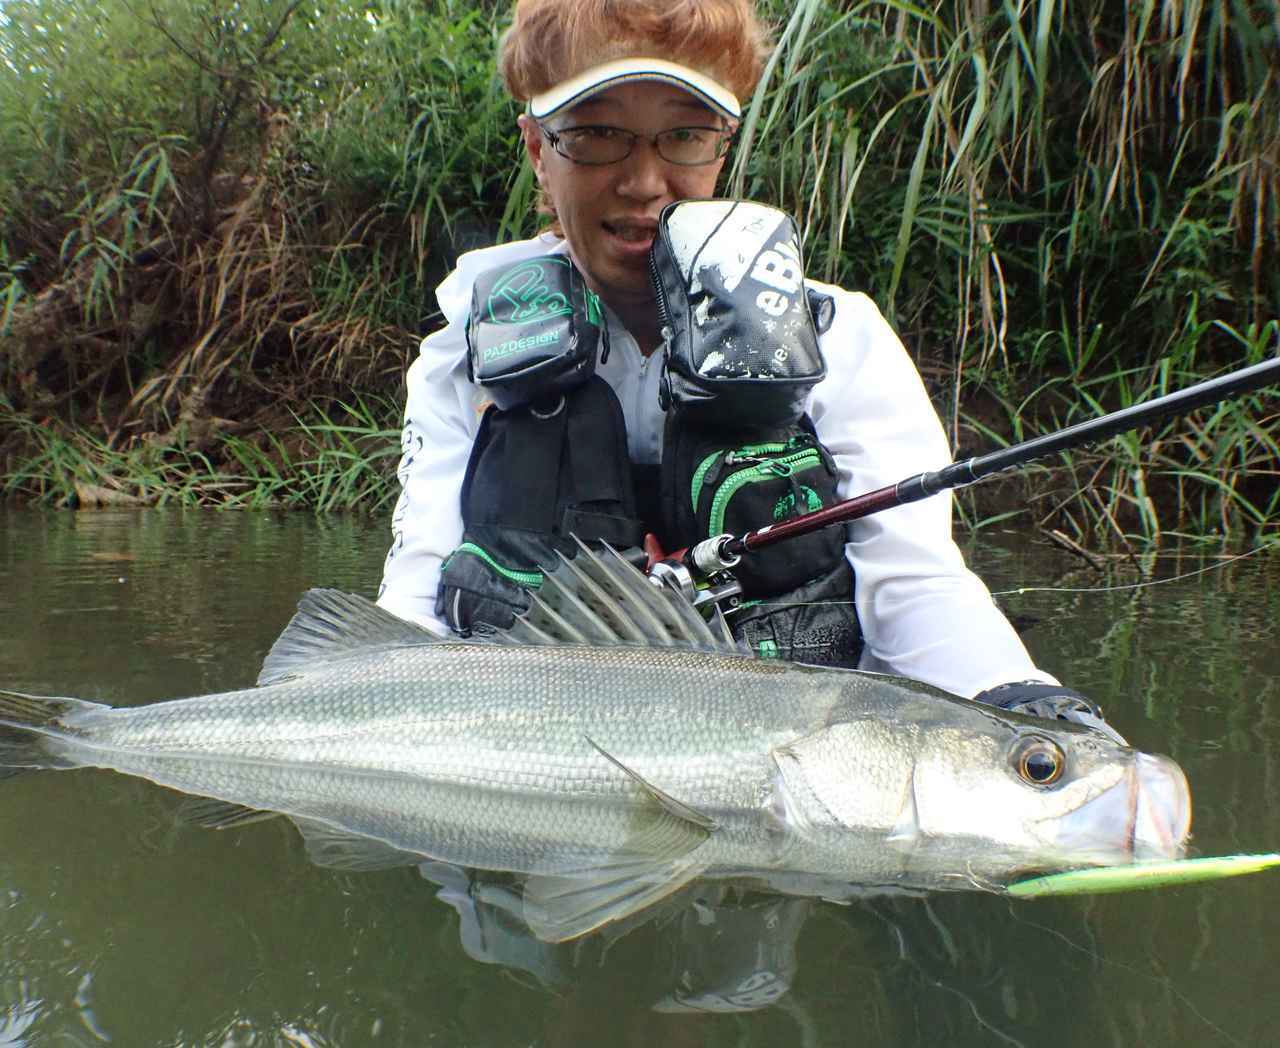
(1050, 701)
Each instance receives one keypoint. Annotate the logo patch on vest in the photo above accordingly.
(786, 506)
(525, 293)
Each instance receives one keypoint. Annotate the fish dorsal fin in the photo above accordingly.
(598, 598)
(720, 626)
(330, 624)
(660, 856)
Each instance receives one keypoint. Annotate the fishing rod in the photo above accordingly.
(722, 552)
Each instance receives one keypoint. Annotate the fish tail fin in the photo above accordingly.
(30, 726)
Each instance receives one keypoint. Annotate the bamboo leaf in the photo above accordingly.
(912, 201)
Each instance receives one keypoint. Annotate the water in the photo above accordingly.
(119, 923)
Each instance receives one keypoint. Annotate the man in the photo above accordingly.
(630, 108)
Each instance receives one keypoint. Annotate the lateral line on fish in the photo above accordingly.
(220, 757)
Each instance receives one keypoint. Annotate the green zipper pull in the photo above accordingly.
(712, 476)
(708, 472)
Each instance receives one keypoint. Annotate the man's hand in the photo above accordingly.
(1050, 701)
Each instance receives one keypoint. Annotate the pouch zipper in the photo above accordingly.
(780, 467)
(720, 459)
(660, 293)
(528, 579)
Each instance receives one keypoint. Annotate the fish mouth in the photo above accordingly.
(1144, 817)
(1162, 809)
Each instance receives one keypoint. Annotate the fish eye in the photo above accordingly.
(1039, 762)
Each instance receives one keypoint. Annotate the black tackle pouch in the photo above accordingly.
(534, 480)
(797, 596)
(741, 344)
(713, 484)
(534, 331)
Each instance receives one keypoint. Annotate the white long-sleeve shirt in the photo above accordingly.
(923, 613)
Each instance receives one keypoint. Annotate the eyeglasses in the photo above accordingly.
(597, 144)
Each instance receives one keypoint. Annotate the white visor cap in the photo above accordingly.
(599, 78)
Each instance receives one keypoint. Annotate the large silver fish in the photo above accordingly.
(612, 748)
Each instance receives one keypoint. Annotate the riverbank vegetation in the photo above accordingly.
(221, 221)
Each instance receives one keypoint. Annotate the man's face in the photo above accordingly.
(609, 213)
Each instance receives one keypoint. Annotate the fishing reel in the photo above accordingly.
(704, 581)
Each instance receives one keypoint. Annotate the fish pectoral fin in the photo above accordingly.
(675, 807)
(220, 815)
(330, 624)
(659, 859)
(339, 849)
(906, 834)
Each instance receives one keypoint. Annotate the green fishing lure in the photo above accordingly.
(1141, 875)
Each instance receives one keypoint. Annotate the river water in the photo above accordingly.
(120, 923)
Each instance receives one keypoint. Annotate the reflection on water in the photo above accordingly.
(119, 922)
(719, 949)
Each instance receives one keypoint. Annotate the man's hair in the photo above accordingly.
(552, 40)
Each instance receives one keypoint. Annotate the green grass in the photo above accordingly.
(1210, 475)
(340, 457)
(1063, 208)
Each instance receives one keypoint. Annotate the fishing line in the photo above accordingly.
(1166, 982)
(909, 957)
(1052, 589)
(1135, 585)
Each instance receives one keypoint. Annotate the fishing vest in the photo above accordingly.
(549, 465)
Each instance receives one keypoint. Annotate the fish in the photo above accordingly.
(614, 747)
